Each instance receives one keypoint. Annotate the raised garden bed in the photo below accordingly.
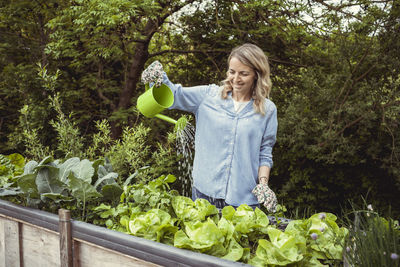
(31, 237)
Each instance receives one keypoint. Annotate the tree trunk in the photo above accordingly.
(139, 59)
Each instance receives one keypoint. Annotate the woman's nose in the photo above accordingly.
(236, 77)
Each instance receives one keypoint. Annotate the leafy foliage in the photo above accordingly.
(30, 137)
(131, 151)
(50, 184)
(10, 167)
(137, 198)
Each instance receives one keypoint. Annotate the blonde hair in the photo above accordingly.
(252, 56)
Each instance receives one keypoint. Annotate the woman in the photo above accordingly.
(236, 128)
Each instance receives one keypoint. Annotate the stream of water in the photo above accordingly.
(185, 147)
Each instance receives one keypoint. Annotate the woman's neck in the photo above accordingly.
(240, 97)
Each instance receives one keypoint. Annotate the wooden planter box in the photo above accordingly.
(30, 237)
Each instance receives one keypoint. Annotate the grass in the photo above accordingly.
(372, 241)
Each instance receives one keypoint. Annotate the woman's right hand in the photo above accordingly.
(153, 74)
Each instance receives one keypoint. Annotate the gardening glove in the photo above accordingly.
(265, 196)
(153, 74)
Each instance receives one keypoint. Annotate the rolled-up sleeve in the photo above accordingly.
(269, 137)
(186, 98)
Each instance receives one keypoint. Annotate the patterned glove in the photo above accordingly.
(266, 197)
(153, 74)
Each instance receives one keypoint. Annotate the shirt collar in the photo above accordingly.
(229, 106)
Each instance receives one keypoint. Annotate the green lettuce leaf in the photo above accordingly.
(282, 249)
(330, 239)
(249, 225)
(203, 237)
(235, 251)
(187, 210)
(162, 182)
(156, 225)
(245, 219)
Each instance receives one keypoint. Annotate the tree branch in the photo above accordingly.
(98, 89)
(364, 74)
(178, 51)
(213, 61)
(337, 9)
(139, 40)
(345, 127)
(391, 134)
(284, 62)
(351, 124)
(106, 99)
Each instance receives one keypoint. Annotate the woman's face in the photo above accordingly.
(241, 77)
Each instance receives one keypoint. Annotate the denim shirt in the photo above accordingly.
(229, 146)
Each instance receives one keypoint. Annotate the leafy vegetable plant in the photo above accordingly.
(10, 166)
(155, 212)
(72, 181)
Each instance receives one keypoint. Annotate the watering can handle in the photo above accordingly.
(146, 86)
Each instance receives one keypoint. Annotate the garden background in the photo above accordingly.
(335, 71)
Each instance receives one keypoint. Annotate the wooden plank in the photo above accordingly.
(65, 237)
(76, 257)
(41, 247)
(11, 243)
(88, 255)
(2, 243)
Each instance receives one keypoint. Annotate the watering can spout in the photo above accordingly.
(154, 100)
(166, 118)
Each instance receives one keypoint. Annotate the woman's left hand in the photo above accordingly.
(265, 196)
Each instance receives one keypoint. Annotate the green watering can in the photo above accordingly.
(154, 100)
